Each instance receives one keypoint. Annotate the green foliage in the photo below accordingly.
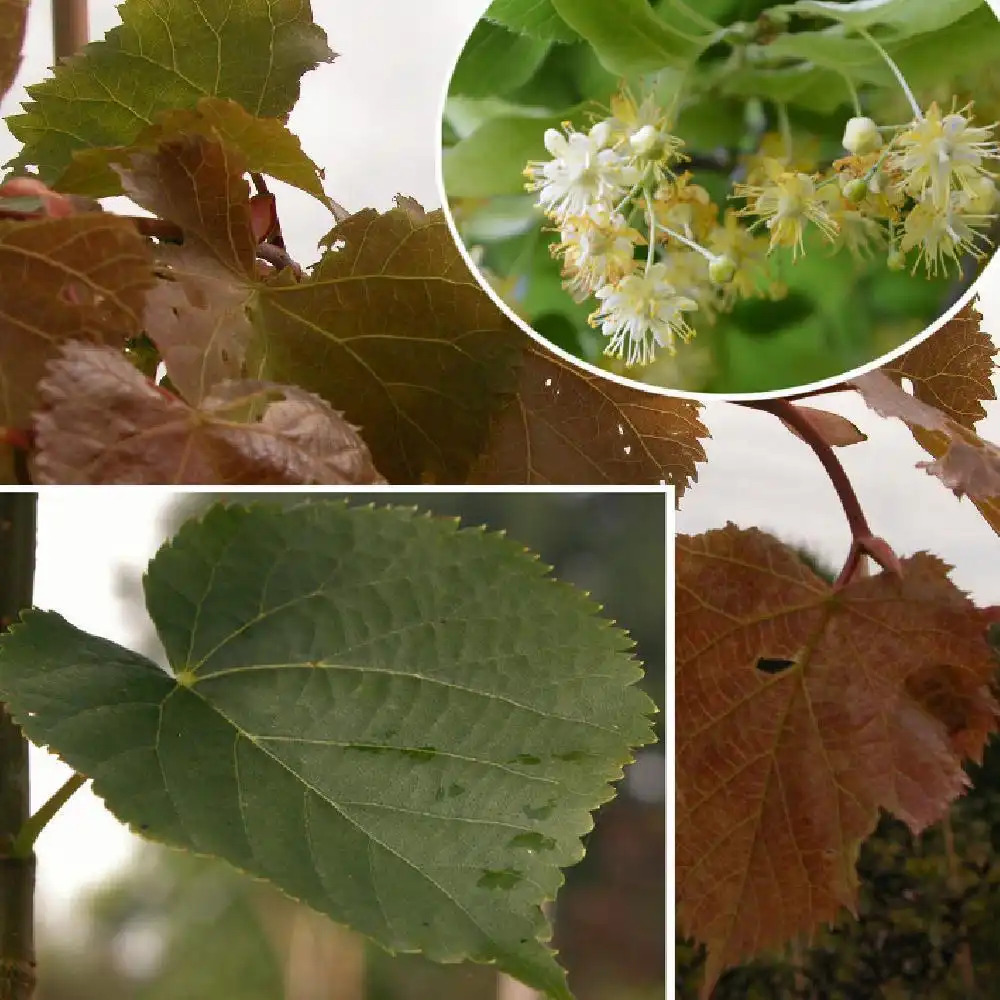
(333, 669)
(168, 56)
(495, 59)
(726, 72)
(628, 37)
(537, 18)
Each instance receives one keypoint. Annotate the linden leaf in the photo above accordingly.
(537, 18)
(905, 17)
(198, 316)
(952, 369)
(265, 145)
(567, 426)
(101, 421)
(168, 56)
(13, 23)
(390, 328)
(802, 711)
(964, 462)
(629, 37)
(404, 725)
(81, 277)
(393, 329)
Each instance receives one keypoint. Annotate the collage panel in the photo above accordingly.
(571, 272)
(725, 198)
(360, 745)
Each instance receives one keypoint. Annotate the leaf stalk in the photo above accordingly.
(24, 842)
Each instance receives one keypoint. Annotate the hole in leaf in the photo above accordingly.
(767, 665)
(907, 385)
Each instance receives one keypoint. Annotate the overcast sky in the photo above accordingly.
(371, 119)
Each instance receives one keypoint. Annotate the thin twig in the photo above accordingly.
(861, 534)
(791, 415)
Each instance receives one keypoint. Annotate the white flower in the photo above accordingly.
(943, 232)
(583, 172)
(641, 312)
(941, 152)
(598, 249)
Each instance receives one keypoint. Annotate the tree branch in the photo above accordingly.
(863, 542)
(17, 874)
(70, 27)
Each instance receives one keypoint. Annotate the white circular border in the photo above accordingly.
(704, 397)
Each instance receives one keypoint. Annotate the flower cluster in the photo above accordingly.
(636, 234)
(648, 244)
(921, 187)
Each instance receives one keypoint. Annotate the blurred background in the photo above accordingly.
(121, 918)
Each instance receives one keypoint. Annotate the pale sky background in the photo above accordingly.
(371, 119)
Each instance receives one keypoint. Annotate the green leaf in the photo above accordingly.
(168, 56)
(628, 37)
(817, 83)
(13, 22)
(496, 61)
(402, 724)
(537, 18)
(265, 145)
(22, 205)
(905, 17)
(492, 159)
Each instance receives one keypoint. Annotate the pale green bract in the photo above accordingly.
(403, 724)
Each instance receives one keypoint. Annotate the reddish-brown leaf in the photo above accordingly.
(567, 426)
(952, 370)
(77, 278)
(835, 430)
(392, 328)
(963, 461)
(781, 774)
(198, 183)
(198, 316)
(13, 22)
(102, 421)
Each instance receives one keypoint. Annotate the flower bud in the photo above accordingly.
(856, 190)
(896, 260)
(981, 196)
(861, 136)
(722, 269)
(601, 134)
(643, 140)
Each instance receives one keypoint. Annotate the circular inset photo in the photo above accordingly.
(727, 196)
